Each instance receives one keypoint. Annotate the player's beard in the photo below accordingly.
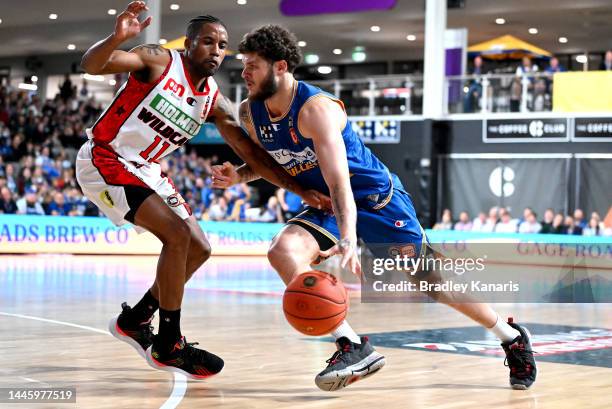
(268, 87)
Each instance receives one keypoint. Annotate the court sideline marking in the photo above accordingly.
(180, 381)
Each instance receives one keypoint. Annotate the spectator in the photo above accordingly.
(218, 209)
(447, 221)
(290, 203)
(579, 219)
(547, 223)
(66, 89)
(7, 203)
(606, 64)
(272, 212)
(571, 227)
(29, 204)
(506, 224)
(557, 225)
(594, 226)
(554, 66)
(489, 226)
(58, 206)
(530, 225)
(526, 67)
(479, 221)
(464, 223)
(471, 100)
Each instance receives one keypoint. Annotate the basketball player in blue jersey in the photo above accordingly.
(118, 169)
(306, 131)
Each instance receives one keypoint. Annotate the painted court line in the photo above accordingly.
(180, 381)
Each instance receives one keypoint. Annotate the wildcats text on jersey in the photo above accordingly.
(161, 127)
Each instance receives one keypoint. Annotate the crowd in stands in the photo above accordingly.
(499, 220)
(39, 141)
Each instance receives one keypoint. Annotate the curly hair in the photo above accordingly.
(274, 43)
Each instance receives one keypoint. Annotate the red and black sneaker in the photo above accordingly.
(519, 358)
(139, 336)
(183, 358)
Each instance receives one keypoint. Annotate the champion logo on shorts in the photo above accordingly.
(106, 198)
(400, 223)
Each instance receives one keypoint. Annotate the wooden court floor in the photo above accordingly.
(54, 312)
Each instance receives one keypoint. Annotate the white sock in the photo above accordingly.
(345, 330)
(503, 331)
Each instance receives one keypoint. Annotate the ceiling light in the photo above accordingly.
(311, 58)
(581, 59)
(410, 37)
(239, 56)
(112, 12)
(0, 21)
(337, 51)
(533, 30)
(29, 87)
(52, 16)
(71, 46)
(241, 2)
(174, 7)
(375, 29)
(162, 41)
(98, 78)
(359, 55)
(500, 21)
(324, 69)
(112, 82)
(302, 43)
(563, 40)
(34, 78)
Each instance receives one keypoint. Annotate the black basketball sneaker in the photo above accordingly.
(183, 358)
(519, 358)
(139, 335)
(350, 363)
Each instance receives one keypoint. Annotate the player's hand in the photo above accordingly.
(224, 176)
(346, 248)
(317, 200)
(127, 25)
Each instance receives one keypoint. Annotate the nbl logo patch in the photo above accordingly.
(175, 200)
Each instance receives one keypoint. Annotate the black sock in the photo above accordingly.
(169, 328)
(144, 310)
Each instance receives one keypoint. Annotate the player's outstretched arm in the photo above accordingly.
(104, 58)
(322, 120)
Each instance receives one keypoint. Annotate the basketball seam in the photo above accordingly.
(316, 295)
(314, 319)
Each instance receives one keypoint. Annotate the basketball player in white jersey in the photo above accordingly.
(163, 104)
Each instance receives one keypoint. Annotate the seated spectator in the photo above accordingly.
(579, 219)
(29, 204)
(464, 223)
(571, 227)
(479, 221)
(447, 221)
(506, 223)
(557, 225)
(547, 223)
(217, 210)
(530, 225)
(594, 226)
(58, 205)
(290, 203)
(272, 212)
(489, 226)
(7, 203)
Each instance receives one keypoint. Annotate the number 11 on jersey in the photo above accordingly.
(145, 154)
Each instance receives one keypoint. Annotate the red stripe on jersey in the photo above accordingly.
(212, 107)
(111, 169)
(134, 92)
(193, 89)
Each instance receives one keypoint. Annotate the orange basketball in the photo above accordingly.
(315, 303)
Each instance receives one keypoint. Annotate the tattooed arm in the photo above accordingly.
(146, 61)
(258, 161)
(322, 120)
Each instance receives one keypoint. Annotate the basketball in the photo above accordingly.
(315, 303)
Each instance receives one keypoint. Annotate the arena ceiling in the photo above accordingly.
(27, 30)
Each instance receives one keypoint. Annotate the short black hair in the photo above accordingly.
(196, 23)
(274, 43)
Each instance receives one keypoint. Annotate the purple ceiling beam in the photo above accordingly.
(310, 7)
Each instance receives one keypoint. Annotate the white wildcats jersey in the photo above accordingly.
(147, 121)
